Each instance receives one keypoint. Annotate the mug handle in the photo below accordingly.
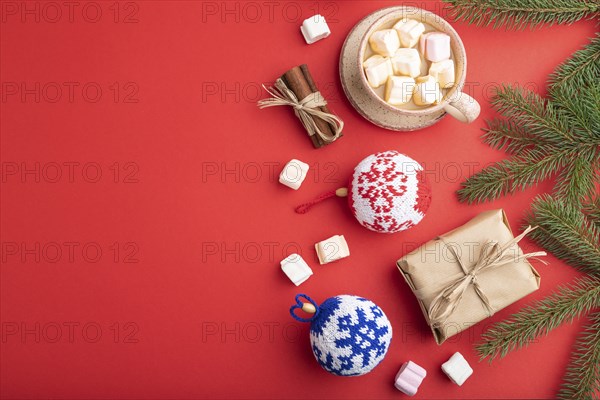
(463, 107)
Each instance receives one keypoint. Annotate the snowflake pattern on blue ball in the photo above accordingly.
(350, 336)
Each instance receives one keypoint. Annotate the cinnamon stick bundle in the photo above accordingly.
(300, 81)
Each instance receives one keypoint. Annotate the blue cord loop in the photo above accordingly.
(298, 305)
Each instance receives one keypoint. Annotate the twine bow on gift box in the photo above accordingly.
(305, 109)
(492, 256)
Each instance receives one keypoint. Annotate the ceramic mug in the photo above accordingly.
(456, 103)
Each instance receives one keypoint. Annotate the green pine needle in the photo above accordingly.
(522, 13)
(520, 329)
(582, 380)
(592, 211)
(564, 230)
(559, 137)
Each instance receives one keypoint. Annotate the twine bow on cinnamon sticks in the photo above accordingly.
(297, 89)
(492, 256)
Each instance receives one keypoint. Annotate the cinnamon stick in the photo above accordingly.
(296, 81)
(313, 88)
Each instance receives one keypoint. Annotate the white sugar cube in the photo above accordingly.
(427, 91)
(457, 369)
(443, 72)
(293, 174)
(378, 69)
(407, 62)
(314, 29)
(385, 42)
(332, 249)
(296, 269)
(435, 46)
(399, 89)
(409, 31)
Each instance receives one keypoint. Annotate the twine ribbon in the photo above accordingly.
(492, 256)
(305, 109)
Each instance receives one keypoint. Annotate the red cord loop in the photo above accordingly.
(303, 208)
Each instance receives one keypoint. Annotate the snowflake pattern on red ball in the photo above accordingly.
(389, 192)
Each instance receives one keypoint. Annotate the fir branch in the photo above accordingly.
(522, 13)
(546, 139)
(533, 113)
(564, 231)
(506, 135)
(592, 211)
(582, 380)
(538, 319)
(506, 176)
(581, 69)
(578, 181)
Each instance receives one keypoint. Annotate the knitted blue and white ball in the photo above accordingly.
(349, 335)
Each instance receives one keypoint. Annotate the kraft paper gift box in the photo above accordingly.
(469, 273)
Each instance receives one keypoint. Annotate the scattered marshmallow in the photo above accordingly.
(385, 42)
(314, 29)
(293, 174)
(378, 69)
(443, 72)
(409, 31)
(332, 249)
(296, 269)
(427, 91)
(399, 89)
(457, 369)
(407, 62)
(435, 46)
(409, 378)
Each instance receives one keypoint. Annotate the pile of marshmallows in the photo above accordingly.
(328, 250)
(397, 63)
(411, 375)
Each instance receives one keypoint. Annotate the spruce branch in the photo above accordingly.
(592, 211)
(520, 329)
(564, 230)
(582, 379)
(522, 13)
(581, 69)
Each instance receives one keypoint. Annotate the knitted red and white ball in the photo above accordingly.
(388, 192)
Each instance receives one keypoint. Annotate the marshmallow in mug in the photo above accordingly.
(435, 46)
(378, 69)
(399, 89)
(409, 31)
(385, 42)
(427, 91)
(443, 73)
(407, 62)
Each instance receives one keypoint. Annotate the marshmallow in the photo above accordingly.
(435, 46)
(457, 369)
(385, 42)
(293, 174)
(378, 69)
(399, 89)
(427, 91)
(332, 249)
(409, 378)
(407, 62)
(409, 31)
(314, 29)
(296, 269)
(443, 72)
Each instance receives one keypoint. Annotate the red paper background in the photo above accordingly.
(188, 189)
